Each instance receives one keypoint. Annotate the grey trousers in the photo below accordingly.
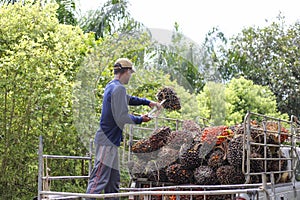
(105, 175)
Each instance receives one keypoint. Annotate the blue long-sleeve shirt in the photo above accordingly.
(115, 113)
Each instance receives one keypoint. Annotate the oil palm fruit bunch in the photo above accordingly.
(157, 140)
(178, 174)
(205, 175)
(137, 169)
(167, 156)
(145, 156)
(212, 197)
(279, 164)
(256, 132)
(192, 126)
(276, 136)
(155, 173)
(235, 151)
(178, 138)
(172, 102)
(256, 165)
(190, 158)
(228, 174)
(216, 158)
(216, 134)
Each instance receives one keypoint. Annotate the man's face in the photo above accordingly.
(127, 76)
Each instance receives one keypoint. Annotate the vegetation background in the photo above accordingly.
(54, 67)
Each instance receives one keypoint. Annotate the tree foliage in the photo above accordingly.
(65, 11)
(268, 56)
(238, 97)
(181, 58)
(112, 17)
(39, 58)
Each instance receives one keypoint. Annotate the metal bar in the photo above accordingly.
(66, 157)
(127, 194)
(270, 131)
(64, 177)
(254, 185)
(274, 172)
(90, 156)
(278, 159)
(40, 171)
(130, 141)
(171, 119)
(269, 145)
(144, 128)
(246, 147)
(274, 118)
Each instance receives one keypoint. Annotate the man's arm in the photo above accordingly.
(134, 101)
(120, 108)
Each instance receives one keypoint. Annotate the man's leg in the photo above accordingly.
(101, 173)
(113, 185)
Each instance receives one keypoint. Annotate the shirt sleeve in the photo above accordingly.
(136, 101)
(119, 104)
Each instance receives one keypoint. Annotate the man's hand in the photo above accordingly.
(153, 104)
(145, 118)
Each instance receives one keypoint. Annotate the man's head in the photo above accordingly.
(122, 65)
(123, 69)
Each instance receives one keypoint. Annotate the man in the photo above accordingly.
(105, 175)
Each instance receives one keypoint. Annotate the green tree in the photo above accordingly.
(240, 96)
(268, 56)
(39, 58)
(65, 11)
(182, 59)
(112, 17)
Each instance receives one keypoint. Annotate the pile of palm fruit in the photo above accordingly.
(206, 156)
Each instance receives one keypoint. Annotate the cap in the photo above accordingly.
(124, 63)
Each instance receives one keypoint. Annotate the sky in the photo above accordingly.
(197, 17)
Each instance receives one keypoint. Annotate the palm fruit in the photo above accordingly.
(205, 175)
(175, 197)
(145, 156)
(157, 140)
(235, 151)
(212, 136)
(193, 127)
(212, 197)
(256, 132)
(177, 174)
(256, 165)
(216, 158)
(167, 156)
(228, 174)
(137, 169)
(178, 138)
(172, 102)
(280, 164)
(216, 134)
(190, 158)
(155, 173)
(274, 135)
(239, 129)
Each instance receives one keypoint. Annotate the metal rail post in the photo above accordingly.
(91, 156)
(40, 170)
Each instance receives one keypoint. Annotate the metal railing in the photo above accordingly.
(175, 191)
(289, 147)
(44, 177)
(43, 180)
